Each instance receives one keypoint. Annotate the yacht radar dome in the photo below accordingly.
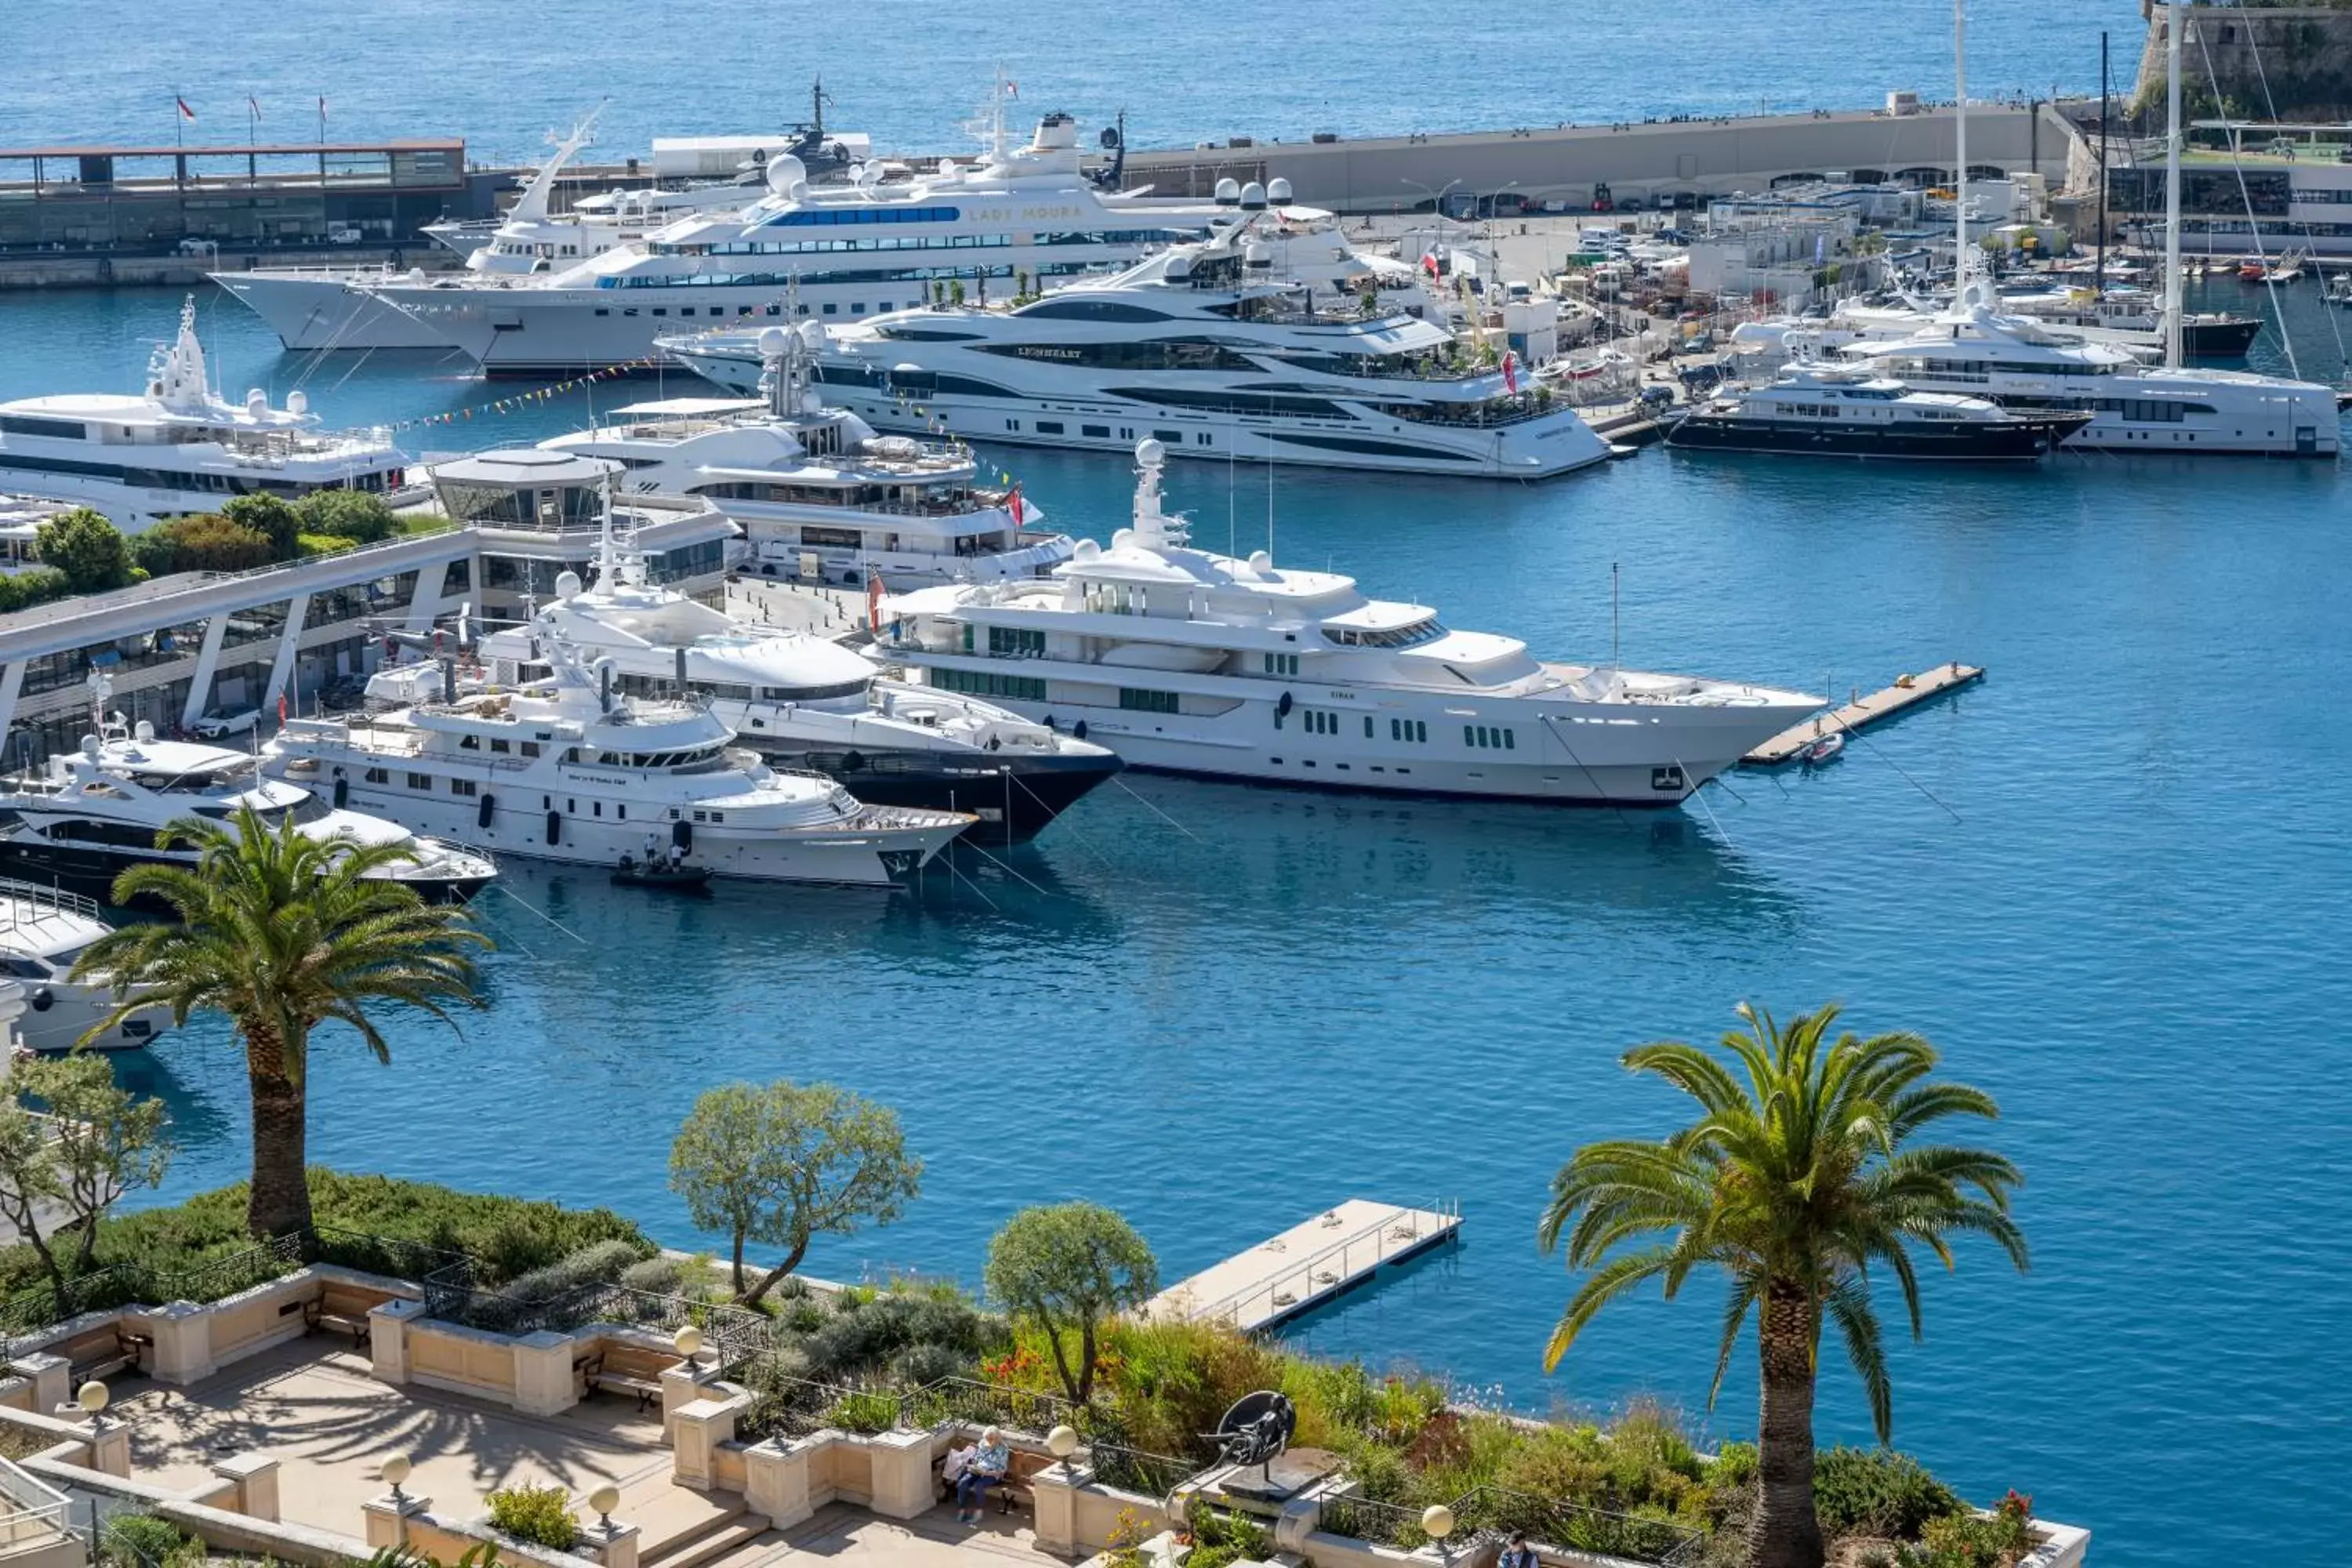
(773, 341)
(1278, 192)
(298, 402)
(1151, 452)
(567, 584)
(1253, 197)
(1256, 256)
(1229, 192)
(784, 171)
(256, 403)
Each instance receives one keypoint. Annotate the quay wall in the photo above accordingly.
(1563, 164)
(107, 269)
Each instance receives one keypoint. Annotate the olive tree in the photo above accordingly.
(1066, 1267)
(63, 1168)
(788, 1163)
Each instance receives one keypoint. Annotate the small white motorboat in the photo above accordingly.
(1823, 749)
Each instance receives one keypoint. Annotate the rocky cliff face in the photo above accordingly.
(2266, 62)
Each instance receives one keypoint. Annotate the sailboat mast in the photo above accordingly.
(1960, 149)
(2172, 14)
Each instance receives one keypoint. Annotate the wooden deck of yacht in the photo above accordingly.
(1907, 692)
(1312, 1262)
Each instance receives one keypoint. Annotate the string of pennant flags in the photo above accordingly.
(514, 401)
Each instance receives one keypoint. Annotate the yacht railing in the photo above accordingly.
(21, 892)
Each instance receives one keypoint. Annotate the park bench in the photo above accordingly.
(344, 1308)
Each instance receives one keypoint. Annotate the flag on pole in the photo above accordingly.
(1011, 90)
(254, 104)
(185, 112)
(1429, 262)
(1013, 501)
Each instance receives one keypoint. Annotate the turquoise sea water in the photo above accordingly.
(2108, 882)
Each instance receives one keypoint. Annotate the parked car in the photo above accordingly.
(343, 237)
(221, 723)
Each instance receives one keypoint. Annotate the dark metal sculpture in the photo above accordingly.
(1256, 1430)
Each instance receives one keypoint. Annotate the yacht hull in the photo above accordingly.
(1972, 441)
(1015, 798)
(92, 868)
(1623, 760)
(312, 310)
(57, 1016)
(873, 854)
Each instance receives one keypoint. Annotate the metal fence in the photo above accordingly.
(1140, 1470)
(989, 1405)
(1493, 1512)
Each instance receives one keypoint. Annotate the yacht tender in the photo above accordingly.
(1186, 661)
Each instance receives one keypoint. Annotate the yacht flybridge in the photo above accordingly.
(1190, 662)
(180, 447)
(572, 770)
(1024, 214)
(817, 493)
(808, 702)
(1271, 341)
(93, 813)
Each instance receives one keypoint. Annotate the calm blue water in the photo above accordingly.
(1220, 1009)
(912, 73)
(2108, 884)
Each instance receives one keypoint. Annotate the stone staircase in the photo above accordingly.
(684, 1529)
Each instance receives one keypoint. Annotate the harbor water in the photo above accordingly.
(2107, 883)
(911, 74)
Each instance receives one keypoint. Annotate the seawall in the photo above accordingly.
(2269, 62)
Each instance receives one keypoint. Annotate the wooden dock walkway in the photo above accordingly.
(1907, 692)
(1307, 1265)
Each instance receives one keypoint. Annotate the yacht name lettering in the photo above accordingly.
(602, 778)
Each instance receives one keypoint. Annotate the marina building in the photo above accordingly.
(2244, 187)
(176, 648)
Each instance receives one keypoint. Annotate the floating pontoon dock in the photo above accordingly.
(1307, 1265)
(1907, 692)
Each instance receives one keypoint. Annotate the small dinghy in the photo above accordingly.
(1823, 749)
(668, 875)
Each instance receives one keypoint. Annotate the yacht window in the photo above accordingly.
(718, 816)
(497, 745)
(600, 808)
(1142, 702)
(462, 787)
(420, 781)
(469, 743)
(24, 968)
(1049, 427)
(531, 748)
(1099, 432)
(1367, 726)
(377, 775)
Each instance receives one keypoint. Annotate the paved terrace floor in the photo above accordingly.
(314, 1408)
(329, 1424)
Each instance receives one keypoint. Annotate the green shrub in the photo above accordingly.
(353, 514)
(324, 543)
(37, 585)
(138, 1540)
(858, 1343)
(272, 516)
(206, 543)
(86, 548)
(599, 1263)
(1220, 1539)
(1877, 1491)
(864, 1410)
(657, 1275)
(918, 1366)
(540, 1515)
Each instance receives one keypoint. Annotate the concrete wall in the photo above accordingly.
(1563, 164)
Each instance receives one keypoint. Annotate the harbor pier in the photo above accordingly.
(1307, 1265)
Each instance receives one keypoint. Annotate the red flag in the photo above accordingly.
(1510, 372)
(281, 707)
(1013, 500)
(185, 112)
(1429, 262)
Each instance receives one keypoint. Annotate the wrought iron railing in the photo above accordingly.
(1493, 1512)
(989, 1405)
(1140, 1470)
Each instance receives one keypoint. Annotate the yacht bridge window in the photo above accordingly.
(1412, 633)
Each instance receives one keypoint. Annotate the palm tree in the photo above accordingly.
(1793, 1183)
(282, 932)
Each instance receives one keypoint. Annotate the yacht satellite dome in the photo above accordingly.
(1180, 267)
(89, 747)
(256, 402)
(906, 367)
(1260, 562)
(813, 336)
(1253, 197)
(1085, 549)
(1229, 192)
(416, 275)
(773, 341)
(1122, 538)
(146, 733)
(949, 171)
(784, 171)
(298, 402)
(1278, 192)
(567, 584)
(1256, 254)
(1151, 452)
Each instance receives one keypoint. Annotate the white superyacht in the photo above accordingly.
(1025, 214)
(42, 931)
(1228, 348)
(808, 702)
(1186, 661)
(569, 770)
(819, 495)
(180, 447)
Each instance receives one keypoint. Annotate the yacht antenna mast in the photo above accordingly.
(1959, 151)
(2172, 21)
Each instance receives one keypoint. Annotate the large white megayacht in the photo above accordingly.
(818, 494)
(808, 702)
(1270, 341)
(569, 770)
(180, 447)
(866, 248)
(1185, 661)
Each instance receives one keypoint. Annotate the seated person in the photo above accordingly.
(987, 1468)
